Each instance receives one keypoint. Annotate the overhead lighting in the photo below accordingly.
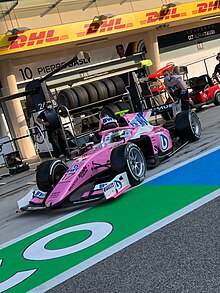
(169, 5)
(88, 4)
(9, 10)
(102, 17)
(210, 17)
(50, 7)
(17, 30)
(122, 2)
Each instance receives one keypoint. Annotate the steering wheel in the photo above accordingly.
(206, 87)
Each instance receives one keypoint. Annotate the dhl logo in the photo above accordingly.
(104, 26)
(170, 14)
(21, 40)
(210, 6)
(162, 14)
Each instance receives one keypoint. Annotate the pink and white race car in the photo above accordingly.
(109, 168)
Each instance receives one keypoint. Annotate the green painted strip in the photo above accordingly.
(130, 213)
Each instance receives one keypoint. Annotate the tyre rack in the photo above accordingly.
(85, 107)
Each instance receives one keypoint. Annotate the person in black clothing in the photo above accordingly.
(216, 74)
(120, 50)
(49, 118)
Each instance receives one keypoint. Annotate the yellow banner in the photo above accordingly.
(75, 32)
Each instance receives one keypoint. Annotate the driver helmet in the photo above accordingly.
(107, 122)
(117, 135)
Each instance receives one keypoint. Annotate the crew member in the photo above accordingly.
(49, 118)
(216, 74)
(176, 87)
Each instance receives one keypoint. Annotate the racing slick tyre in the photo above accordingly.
(110, 87)
(101, 90)
(217, 98)
(110, 110)
(67, 98)
(123, 106)
(49, 173)
(119, 84)
(129, 158)
(92, 93)
(188, 126)
(81, 94)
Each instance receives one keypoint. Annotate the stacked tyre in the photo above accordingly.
(90, 93)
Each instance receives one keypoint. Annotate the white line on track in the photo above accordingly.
(124, 243)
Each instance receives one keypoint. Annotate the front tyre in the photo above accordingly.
(49, 174)
(129, 158)
(188, 126)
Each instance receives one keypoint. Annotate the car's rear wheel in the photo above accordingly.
(188, 126)
(129, 158)
(49, 174)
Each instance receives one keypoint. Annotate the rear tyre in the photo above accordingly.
(129, 158)
(110, 110)
(81, 94)
(110, 87)
(101, 90)
(123, 106)
(217, 98)
(49, 174)
(188, 126)
(92, 93)
(119, 84)
(67, 98)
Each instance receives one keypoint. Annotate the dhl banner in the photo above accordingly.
(78, 32)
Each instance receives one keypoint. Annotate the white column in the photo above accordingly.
(15, 110)
(152, 47)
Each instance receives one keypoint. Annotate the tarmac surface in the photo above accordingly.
(180, 257)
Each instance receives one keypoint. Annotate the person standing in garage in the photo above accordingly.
(177, 88)
(216, 74)
(49, 118)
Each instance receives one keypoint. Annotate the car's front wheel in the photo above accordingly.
(129, 158)
(49, 174)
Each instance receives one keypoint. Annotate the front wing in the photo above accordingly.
(102, 191)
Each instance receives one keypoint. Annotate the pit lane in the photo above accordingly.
(126, 270)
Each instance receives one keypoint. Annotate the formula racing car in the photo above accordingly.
(109, 168)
